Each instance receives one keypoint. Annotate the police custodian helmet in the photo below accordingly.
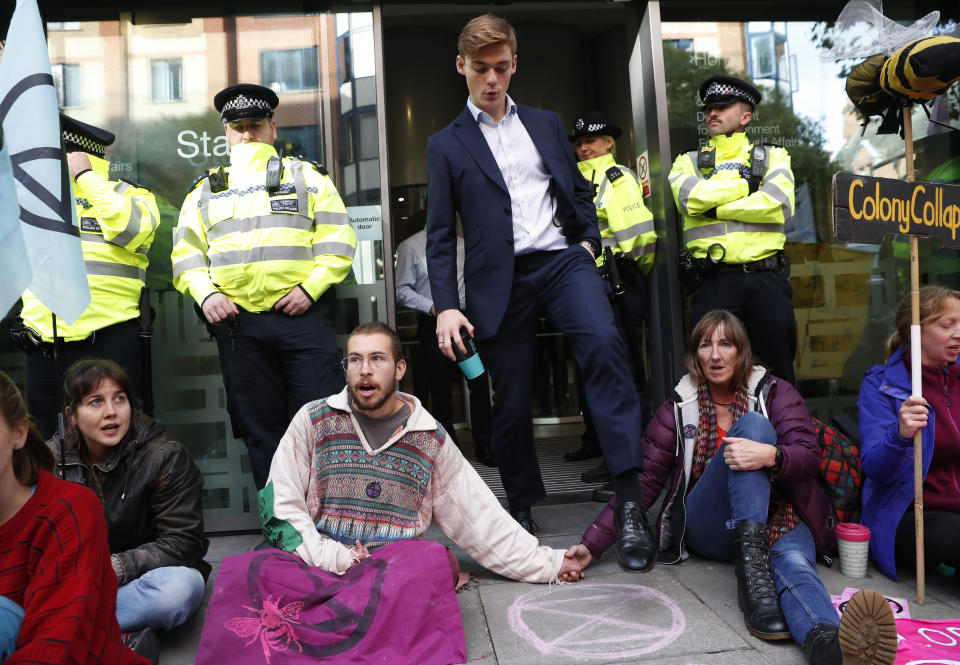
(80, 137)
(245, 100)
(728, 89)
(593, 123)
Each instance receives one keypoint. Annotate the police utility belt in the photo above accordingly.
(28, 340)
(694, 270)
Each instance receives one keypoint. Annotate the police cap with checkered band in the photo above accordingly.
(728, 89)
(245, 100)
(80, 137)
(593, 123)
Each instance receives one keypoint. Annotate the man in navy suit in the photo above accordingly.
(531, 235)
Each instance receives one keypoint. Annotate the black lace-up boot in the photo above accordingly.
(756, 593)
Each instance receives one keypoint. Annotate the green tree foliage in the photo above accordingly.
(775, 121)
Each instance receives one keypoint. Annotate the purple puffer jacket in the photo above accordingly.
(664, 454)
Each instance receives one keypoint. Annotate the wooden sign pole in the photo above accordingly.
(916, 371)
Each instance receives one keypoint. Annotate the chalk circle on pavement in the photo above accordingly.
(597, 621)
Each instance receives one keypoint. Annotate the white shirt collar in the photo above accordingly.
(476, 112)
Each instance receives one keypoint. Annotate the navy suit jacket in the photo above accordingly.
(463, 176)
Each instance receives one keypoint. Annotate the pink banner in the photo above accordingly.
(928, 642)
(398, 606)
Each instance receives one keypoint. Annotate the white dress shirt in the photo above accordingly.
(529, 182)
(413, 284)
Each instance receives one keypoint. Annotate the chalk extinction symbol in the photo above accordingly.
(609, 627)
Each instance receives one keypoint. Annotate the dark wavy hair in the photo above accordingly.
(83, 377)
(933, 300)
(732, 328)
(34, 456)
(380, 328)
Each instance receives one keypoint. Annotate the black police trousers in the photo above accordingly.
(272, 365)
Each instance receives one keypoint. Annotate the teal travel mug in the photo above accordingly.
(469, 362)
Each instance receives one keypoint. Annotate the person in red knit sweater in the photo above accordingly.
(58, 591)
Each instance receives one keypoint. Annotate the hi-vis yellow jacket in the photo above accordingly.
(625, 223)
(749, 226)
(254, 246)
(117, 223)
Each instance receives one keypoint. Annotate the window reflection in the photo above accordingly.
(162, 79)
(844, 294)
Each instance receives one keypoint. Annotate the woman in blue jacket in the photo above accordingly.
(889, 417)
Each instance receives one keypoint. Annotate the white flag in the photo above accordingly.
(31, 129)
(15, 273)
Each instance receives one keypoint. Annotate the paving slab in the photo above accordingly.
(479, 645)
(675, 615)
(610, 618)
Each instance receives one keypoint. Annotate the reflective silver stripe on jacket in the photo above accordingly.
(340, 248)
(642, 250)
(303, 201)
(259, 254)
(204, 203)
(602, 190)
(607, 241)
(185, 233)
(257, 222)
(97, 239)
(331, 218)
(121, 187)
(686, 187)
(114, 270)
(637, 229)
(133, 226)
(774, 191)
(721, 228)
(189, 263)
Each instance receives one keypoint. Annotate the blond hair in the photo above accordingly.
(486, 30)
(933, 300)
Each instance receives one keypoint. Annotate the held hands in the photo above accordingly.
(913, 416)
(218, 308)
(359, 551)
(449, 322)
(294, 303)
(746, 455)
(575, 560)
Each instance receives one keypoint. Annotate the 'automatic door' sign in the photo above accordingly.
(867, 209)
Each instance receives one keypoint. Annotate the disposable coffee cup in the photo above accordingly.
(469, 362)
(853, 541)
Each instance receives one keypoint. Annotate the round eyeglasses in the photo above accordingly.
(354, 363)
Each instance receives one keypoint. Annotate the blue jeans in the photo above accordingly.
(161, 598)
(722, 497)
(11, 616)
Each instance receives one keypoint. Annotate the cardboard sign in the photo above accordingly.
(899, 606)
(866, 209)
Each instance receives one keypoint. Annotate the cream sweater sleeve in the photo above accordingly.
(470, 515)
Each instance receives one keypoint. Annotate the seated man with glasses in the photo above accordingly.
(360, 475)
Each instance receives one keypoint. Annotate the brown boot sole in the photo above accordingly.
(868, 632)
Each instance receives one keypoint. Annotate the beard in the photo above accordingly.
(371, 403)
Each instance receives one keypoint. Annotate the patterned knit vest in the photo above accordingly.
(371, 497)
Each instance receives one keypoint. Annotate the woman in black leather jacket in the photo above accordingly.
(151, 494)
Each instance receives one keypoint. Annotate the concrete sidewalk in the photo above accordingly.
(675, 615)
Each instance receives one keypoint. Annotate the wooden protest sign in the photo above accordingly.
(867, 209)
